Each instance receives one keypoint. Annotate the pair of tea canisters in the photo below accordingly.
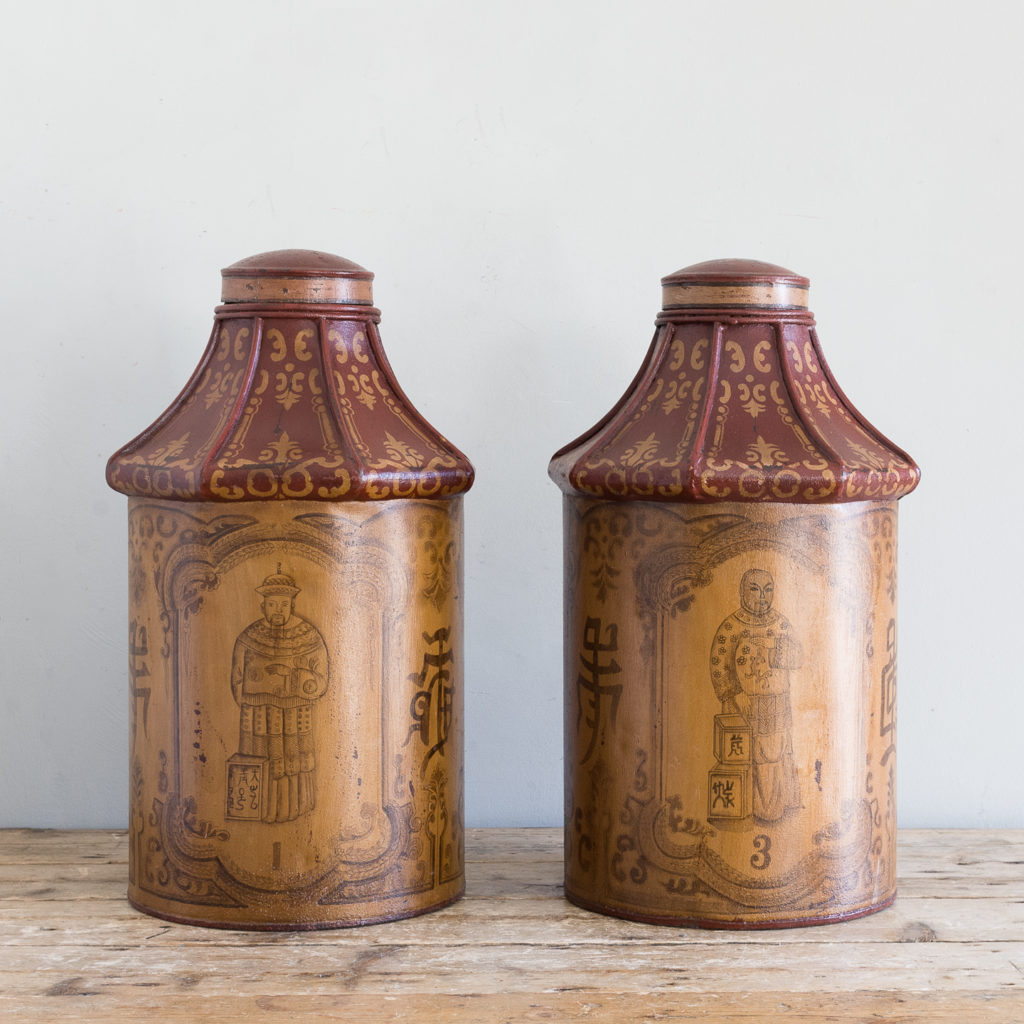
(296, 642)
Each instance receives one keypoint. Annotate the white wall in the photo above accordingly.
(519, 176)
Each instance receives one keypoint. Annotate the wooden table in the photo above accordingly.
(950, 949)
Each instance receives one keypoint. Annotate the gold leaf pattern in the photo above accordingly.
(401, 453)
(764, 453)
(284, 449)
(642, 451)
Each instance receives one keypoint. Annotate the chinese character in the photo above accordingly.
(433, 705)
(590, 690)
(887, 722)
(722, 793)
(736, 745)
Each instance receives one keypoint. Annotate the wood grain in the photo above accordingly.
(950, 949)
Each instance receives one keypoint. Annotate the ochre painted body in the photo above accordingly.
(295, 532)
(730, 624)
(726, 764)
(307, 772)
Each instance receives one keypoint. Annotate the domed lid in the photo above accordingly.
(735, 402)
(293, 399)
(297, 275)
(736, 284)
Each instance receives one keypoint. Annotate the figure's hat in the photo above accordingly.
(278, 583)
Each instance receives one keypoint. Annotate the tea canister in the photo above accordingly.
(730, 624)
(295, 644)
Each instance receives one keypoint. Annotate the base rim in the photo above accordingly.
(733, 924)
(295, 926)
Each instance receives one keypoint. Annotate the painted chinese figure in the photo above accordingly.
(279, 669)
(752, 655)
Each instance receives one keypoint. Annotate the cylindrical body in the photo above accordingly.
(730, 625)
(295, 536)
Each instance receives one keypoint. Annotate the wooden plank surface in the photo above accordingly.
(950, 949)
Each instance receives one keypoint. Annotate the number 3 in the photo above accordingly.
(760, 860)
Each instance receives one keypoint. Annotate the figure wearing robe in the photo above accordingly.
(752, 655)
(279, 669)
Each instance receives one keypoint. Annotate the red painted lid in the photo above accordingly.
(297, 263)
(293, 399)
(737, 284)
(735, 402)
(297, 275)
(734, 270)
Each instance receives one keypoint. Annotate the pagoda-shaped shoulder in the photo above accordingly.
(291, 401)
(735, 406)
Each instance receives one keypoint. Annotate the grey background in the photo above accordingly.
(519, 176)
